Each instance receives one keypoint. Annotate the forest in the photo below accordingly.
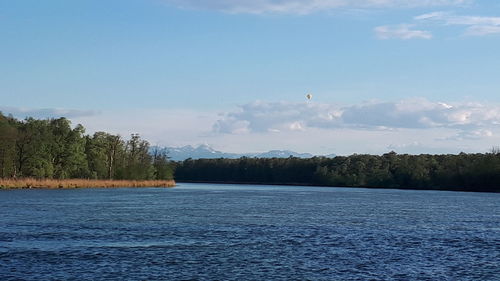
(462, 172)
(53, 149)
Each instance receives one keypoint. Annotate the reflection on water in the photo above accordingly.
(247, 232)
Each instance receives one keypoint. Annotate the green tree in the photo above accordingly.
(8, 136)
(163, 169)
(33, 149)
(103, 151)
(67, 149)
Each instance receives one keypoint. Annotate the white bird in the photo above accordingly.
(309, 96)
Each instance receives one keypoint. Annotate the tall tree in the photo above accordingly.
(8, 135)
(163, 169)
(67, 149)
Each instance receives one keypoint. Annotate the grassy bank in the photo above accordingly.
(80, 183)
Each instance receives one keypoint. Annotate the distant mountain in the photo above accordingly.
(281, 154)
(202, 151)
(205, 151)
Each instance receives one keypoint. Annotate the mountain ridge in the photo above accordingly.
(207, 152)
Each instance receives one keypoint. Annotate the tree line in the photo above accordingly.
(53, 149)
(466, 172)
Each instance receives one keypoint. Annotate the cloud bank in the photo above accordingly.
(406, 114)
(406, 126)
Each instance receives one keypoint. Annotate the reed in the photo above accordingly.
(80, 183)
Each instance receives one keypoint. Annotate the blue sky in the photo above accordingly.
(405, 75)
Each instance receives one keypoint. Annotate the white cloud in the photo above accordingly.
(407, 126)
(305, 6)
(411, 113)
(476, 25)
(402, 31)
(475, 134)
(296, 126)
(263, 116)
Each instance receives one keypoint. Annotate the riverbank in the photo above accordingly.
(80, 183)
(462, 172)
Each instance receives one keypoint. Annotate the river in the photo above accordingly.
(248, 232)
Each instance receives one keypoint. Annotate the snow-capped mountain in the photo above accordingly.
(205, 151)
(201, 151)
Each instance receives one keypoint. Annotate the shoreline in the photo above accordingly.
(29, 183)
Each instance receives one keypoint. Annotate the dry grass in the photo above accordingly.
(80, 183)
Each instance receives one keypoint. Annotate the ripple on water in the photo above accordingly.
(206, 232)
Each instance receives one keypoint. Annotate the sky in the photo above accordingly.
(411, 76)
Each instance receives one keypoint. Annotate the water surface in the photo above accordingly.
(246, 232)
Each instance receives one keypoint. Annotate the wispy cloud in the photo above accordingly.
(475, 25)
(43, 113)
(481, 30)
(471, 135)
(305, 6)
(402, 31)
(452, 19)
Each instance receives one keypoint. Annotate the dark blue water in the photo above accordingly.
(230, 232)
